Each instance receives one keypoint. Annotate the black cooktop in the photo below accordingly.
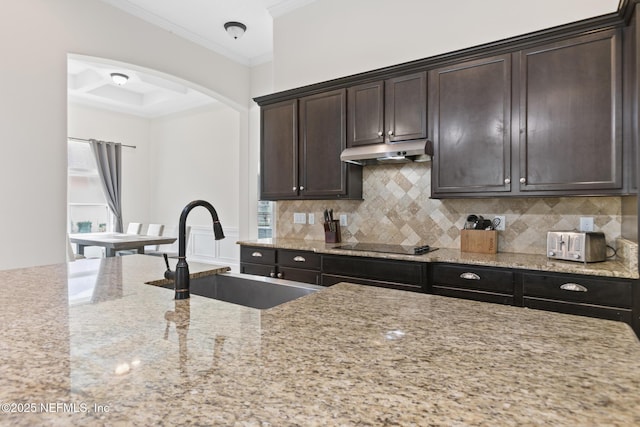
(388, 249)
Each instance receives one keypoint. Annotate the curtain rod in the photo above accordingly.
(109, 142)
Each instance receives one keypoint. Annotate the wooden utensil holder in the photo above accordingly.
(332, 231)
(479, 241)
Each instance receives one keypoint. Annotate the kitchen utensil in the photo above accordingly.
(495, 223)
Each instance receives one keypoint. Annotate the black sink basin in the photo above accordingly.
(248, 290)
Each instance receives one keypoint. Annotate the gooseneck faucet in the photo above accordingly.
(181, 275)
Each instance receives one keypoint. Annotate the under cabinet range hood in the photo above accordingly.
(401, 152)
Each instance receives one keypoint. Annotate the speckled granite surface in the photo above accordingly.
(90, 344)
(501, 259)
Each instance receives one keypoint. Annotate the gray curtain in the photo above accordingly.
(108, 157)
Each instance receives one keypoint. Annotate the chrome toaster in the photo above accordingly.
(583, 246)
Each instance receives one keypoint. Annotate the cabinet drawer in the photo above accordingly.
(332, 279)
(299, 259)
(255, 255)
(600, 312)
(257, 269)
(299, 275)
(598, 291)
(392, 271)
(472, 277)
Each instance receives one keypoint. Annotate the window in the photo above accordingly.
(87, 209)
(265, 219)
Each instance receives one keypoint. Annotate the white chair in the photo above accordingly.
(72, 256)
(134, 228)
(154, 230)
(172, 249)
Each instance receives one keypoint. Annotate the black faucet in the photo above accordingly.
(180, 277)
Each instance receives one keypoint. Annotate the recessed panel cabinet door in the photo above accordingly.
(406, 107)
(279, 151)
(322, 139)
(366, 114)
(570, 115)
(470, 106)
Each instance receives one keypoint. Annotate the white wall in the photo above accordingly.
(195, 156)
(35, 38)
(335, 38)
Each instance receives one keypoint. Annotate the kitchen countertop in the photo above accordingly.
(89, 343)
(501, 259)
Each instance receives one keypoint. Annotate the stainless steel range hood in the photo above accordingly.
(401, 152)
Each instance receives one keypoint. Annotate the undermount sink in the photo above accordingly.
(248, 290)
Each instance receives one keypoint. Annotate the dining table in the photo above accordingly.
(114, 242)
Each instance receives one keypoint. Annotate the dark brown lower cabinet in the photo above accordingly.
(592, 296)
(601, 297)
(472, 282)
(299, 266)
(386, 273)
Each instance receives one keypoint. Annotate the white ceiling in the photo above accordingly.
(200, 21)
(144, 95)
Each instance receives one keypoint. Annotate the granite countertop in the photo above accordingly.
(89, 343)
(501, 259)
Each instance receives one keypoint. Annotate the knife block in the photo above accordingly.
(479, 241)
(332, 236)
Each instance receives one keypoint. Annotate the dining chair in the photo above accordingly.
(134, 228)
(170, 249)
(71, 255)
(154, 230)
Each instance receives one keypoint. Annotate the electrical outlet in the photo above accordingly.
(502, 225)
(343, 220)
(299, 218)
(586, 223)
(312, 218)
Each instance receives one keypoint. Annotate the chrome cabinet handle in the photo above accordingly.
(507, 181)
(469, 276)
(295, 188)
(272, 274)
(301, 188)
(380, 133)
(390, 133)
(280, 275)
(299, 259)
(257, 254)
(523, 180)
(573, 287)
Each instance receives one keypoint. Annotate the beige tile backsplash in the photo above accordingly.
(397, 209)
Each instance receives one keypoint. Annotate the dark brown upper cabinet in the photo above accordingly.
(301, 145)
(470, 121)
(543, 121)
(279, 150)
(366, 114)
(392, 110)
(571, 116)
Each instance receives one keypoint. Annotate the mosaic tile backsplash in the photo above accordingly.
(397, 209)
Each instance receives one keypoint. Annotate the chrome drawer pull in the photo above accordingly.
(256, 254)
(469, 276)
(573, 287)
(299, 259)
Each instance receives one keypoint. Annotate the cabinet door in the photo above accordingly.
(322, 139)
(406, 107)
(366, 114)
(570, 115)
(279, 151)
(470, 107)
